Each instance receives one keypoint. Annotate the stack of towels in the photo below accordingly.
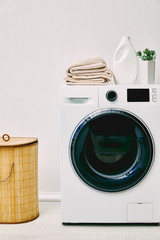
(90, 71)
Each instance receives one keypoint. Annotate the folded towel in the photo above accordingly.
(91, 64)
(90, 71)
(90, 81)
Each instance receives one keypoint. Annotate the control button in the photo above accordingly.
(111, 95)
(154, 90)
(154, 97)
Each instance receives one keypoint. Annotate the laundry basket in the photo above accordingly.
(18, 179)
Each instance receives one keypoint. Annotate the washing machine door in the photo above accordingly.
(111, 150)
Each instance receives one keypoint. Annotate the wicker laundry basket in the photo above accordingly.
(18, 179)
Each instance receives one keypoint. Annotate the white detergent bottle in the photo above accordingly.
(125, 63)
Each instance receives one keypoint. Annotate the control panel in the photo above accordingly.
(142, 95)
(137, 95)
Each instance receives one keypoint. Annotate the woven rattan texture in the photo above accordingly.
(19, 194)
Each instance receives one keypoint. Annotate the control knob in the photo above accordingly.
(111, 95)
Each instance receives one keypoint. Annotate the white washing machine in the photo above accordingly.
(110, 154)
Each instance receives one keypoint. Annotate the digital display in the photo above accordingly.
(137, 95)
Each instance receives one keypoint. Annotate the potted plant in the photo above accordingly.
(147, 66)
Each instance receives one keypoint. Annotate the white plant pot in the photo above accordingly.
(147, 72)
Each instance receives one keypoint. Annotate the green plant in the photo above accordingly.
(147, 55)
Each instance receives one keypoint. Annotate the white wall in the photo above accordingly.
(39, 39)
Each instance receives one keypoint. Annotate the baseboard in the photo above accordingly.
(49, 196)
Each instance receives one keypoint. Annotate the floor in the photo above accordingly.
(48, 226)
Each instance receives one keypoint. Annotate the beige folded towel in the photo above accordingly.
(90, 71)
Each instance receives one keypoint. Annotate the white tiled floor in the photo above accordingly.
(48, 226)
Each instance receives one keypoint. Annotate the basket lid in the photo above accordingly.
(8, 141)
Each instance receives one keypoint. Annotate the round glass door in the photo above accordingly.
(111, 150)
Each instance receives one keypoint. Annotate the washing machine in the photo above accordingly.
(110, 154)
